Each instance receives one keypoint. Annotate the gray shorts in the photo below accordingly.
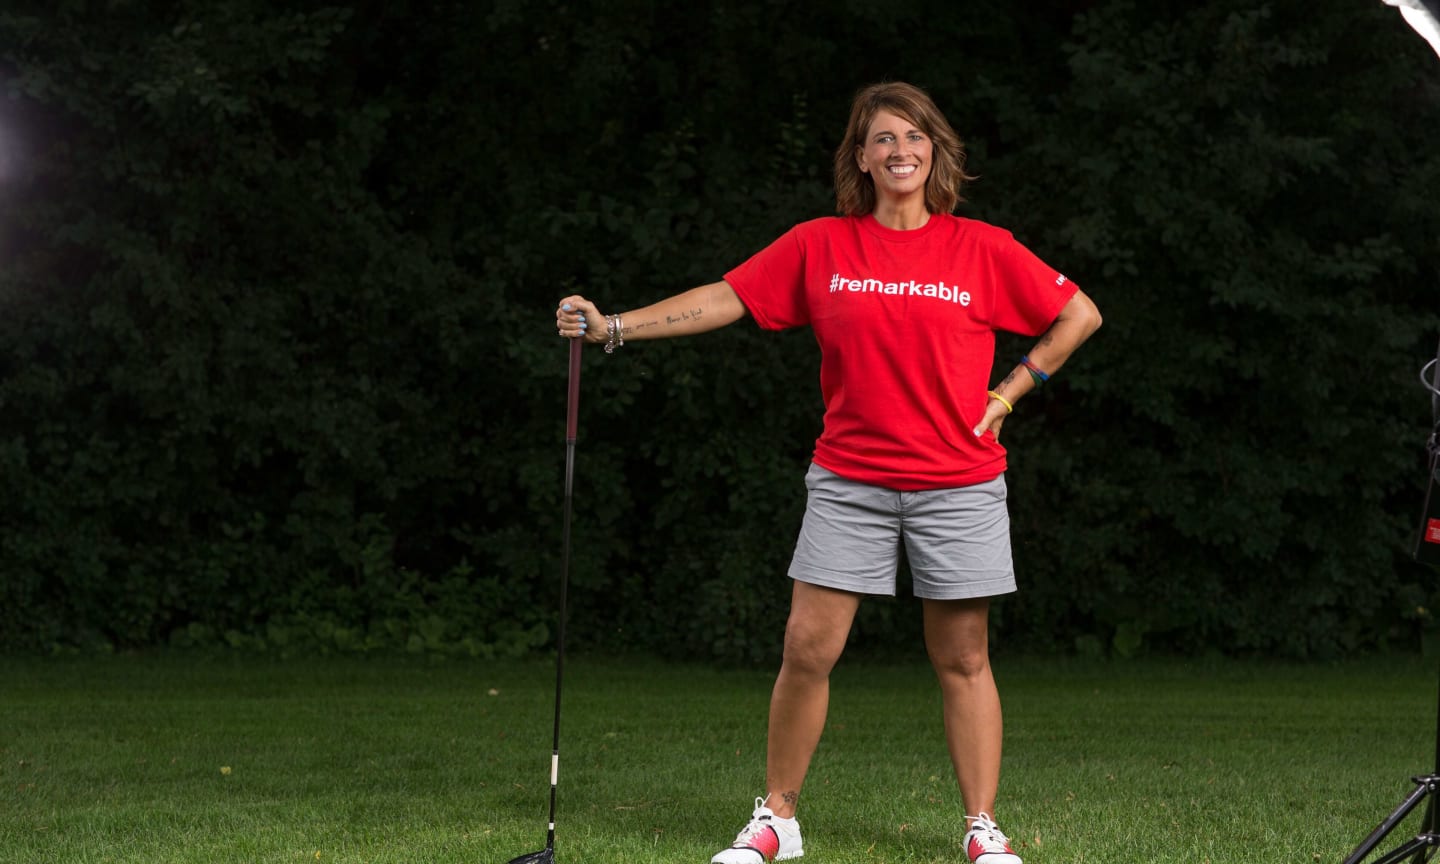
(956, 540)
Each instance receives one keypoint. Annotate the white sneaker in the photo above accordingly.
(985, 844)
(766, 838)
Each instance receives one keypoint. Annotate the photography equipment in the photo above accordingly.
(1427, 545)
(1423, 16)
(572, 416)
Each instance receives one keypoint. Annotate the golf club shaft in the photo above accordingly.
(572, 419)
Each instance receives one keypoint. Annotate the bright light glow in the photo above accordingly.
(1424, 24)
(1418, 15)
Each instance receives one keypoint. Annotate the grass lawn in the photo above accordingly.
(188, 759)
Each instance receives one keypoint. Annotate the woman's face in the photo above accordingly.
(896, 155)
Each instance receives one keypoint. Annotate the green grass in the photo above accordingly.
(124, 760)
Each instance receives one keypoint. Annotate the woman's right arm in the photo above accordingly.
(698, 310)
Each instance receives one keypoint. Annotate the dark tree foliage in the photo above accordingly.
(277, 367)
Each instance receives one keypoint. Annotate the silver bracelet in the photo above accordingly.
(613, 330)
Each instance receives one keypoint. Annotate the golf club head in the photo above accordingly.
(544, 856)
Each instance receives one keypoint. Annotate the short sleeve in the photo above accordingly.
(1029, 293)
(771, 283)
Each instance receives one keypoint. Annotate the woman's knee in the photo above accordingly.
(957, 637)
(812, 647)
(817, 628)
(970, 662)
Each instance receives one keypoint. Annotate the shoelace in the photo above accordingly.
(755, 826)
(988, 834)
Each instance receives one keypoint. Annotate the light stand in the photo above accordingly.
(1422, 846)
(1424, 17)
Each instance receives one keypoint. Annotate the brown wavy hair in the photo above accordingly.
(855, 190)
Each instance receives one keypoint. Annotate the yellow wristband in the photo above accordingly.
(1009, 408)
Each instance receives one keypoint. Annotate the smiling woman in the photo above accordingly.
(904, 299)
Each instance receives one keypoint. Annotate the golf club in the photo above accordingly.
(547, 855)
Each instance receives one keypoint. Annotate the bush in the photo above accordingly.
(278, 371)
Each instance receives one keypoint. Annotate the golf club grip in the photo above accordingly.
(572, 412)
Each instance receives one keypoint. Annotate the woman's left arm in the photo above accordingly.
(1078, 319)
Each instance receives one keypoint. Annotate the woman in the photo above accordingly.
(904, 299)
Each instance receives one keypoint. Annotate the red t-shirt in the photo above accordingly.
(906, 324)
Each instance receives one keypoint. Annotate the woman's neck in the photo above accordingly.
(902, 215)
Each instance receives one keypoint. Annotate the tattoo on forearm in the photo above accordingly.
(691, 315)
(1008, 379)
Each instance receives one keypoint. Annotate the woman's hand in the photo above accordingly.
(577, 317)
(995, 414)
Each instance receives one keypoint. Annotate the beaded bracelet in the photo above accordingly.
(1009, 408)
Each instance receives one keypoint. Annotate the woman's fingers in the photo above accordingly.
(573, 316)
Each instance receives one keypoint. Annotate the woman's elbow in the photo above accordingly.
(1083, 311)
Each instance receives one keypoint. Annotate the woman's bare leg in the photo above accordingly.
(957, 638)
(815, 635)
